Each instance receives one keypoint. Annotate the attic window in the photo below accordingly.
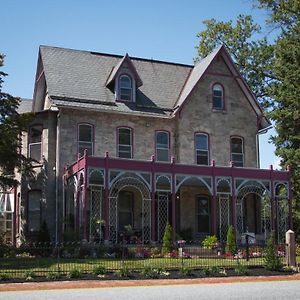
(125, 88)
(218, 97)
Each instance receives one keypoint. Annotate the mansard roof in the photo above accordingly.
(84, 79)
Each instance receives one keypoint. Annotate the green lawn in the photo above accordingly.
(18, 267)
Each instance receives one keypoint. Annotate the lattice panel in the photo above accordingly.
(282, 219)
(162, 213)
(239, 221)
(146, 221)
(266, 216)
(96, 198)
(224, 216)
(113, 219)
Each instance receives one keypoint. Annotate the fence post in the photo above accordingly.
(290, 248)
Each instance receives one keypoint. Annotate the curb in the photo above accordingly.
(81, 284)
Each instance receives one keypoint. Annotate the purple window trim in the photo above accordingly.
(208, 146)
(243, 147)
(92, 135)
(223, 97)
(131, 140)
(169, 144)
(119, 99)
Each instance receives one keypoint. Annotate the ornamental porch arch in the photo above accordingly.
(130, 183)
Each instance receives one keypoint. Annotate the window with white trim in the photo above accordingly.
(34, 211)
(162, 142)
(201, 148)
(124, 142)
(237, 151)
(218, 97)
(85, 139)
(125, 88)
(35, 142)
(203, 214)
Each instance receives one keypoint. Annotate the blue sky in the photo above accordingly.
(162, 30)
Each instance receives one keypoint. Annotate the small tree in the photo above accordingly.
(167, 239)
(230, 242)
(272, 260)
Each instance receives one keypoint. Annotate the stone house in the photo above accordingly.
(124, 145)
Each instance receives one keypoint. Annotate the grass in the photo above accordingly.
(17, 267)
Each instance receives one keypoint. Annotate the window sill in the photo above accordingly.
(223, 111)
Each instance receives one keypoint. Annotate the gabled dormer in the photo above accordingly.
(124, 80)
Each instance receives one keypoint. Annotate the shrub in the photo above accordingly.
(206, 271)
(75, 273)
(123, 272)
(230, 241)
(28, 275)
(53, 275)
(271, 259)
(210, 242)
(99, 270)
(4, 276)
(186, 272)
(240, 269)
(167, 239)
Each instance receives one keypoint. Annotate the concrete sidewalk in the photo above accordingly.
(52, 285)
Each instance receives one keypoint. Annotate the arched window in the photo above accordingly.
(85, 139)
(237, 151)
(202, 214)
(125, 88)
(124, 142)
(162, 142)
(35, 142)
(218, 97)
(201, 149)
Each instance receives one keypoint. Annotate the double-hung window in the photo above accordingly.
(35, 142)
(34, 211)
(125, 88)
(124, 142)
(85, 139)
(237, 151)
(162, 142)
(201, 147)
(218, 97)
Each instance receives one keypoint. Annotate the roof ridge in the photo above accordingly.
(120, 56)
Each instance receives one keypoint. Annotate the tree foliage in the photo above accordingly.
(11, 126)
(272, 71)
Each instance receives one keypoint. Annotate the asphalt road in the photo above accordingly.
(289, 290)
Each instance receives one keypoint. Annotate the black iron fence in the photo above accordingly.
(65, 258)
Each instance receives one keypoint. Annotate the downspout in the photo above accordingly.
(56, 172)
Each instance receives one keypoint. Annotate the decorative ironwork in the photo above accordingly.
(136, 183)
(95, 207)
(162, 213)
(282, 219)
(254, 189)
(224, 215)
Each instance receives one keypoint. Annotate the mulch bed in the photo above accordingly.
(135, 279)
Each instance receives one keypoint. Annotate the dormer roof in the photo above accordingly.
(125, 62)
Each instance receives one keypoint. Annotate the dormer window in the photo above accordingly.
(125, 88)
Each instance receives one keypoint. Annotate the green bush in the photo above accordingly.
(123, 272)
(271, 259)
(240, 269)
(167, 239)
(75, 273)
(4, 276)
(29, 275)
(187, 272)
(209, 242)
(53, 275)
(230, 241)
(99, 270)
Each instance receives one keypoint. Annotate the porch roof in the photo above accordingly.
(151, 166)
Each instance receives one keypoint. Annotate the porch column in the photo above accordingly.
(290, 198)
(214, 201)
(233, 218)
(106, 199)
(14, 223)
(173, 200)
(84, 198)
(153, 211)
(273, 201)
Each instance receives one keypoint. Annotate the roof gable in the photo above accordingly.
(125, 61)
